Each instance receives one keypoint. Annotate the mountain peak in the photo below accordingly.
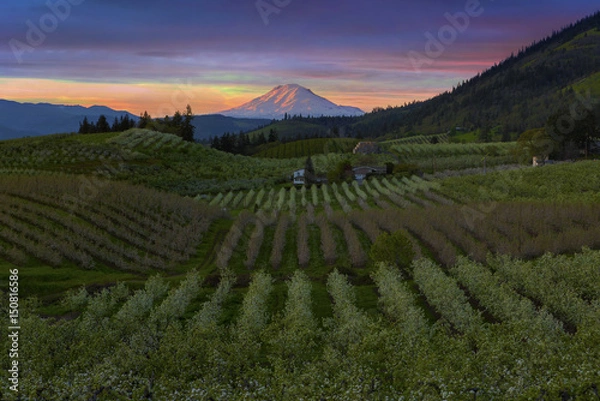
(292, 99)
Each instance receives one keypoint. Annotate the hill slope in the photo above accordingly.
(518, 94)
(29, 119)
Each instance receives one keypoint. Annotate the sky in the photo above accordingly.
(159, 56)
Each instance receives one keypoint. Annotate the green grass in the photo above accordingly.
(575, 42)
(591, 83)
(100, 138)
(569, 182)
(290, 129)
(466, 137)
(190, 169)
(49, 284)
(417, 139)
(308, 147)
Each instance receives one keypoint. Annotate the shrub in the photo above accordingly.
(394, 248)
(406, 169)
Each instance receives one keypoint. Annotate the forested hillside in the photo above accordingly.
(518, 94)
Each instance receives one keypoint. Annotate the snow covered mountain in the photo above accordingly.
(292, 99)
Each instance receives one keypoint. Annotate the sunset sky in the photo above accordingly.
(161, 55)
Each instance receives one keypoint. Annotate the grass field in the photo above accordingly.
(591, 84)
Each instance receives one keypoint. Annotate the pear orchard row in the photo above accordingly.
(91, 221)
(182, 343)
(402, 192)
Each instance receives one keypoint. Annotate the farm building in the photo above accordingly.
(360, 173)
(299, 177)
(367, 148)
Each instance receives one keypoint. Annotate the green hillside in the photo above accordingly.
(518, 94)
(307, 147)
(158, 160)
(591, 83)
(291, 129)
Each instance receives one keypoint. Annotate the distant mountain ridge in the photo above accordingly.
(18, 120)
(290, 99)
(211, 125)
(34, 119)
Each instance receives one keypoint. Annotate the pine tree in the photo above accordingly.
(144, 120)
(187, 129)
(272, 135)
(309, 168)
(84, 126)
(102, 124)
(116, 125)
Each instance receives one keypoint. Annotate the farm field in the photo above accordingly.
(166, 162)
(463, 283)
(308, 147)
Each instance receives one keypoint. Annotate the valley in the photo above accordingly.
(293, 249)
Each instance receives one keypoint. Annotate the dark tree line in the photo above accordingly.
(566, 135)
(101, 125)
(179, 124)
(320, 127)
(242, 143)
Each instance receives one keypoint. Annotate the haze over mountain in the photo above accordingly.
(34, 119)
(292, 99)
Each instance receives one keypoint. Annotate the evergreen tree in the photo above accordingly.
(309, 170)
(273, 135)
(126, 123)
(187, 129)
(84, 127)
(102, 124)
(309, 166)
(485, 134)
(116, 126)
(145, 119)
(177, 122)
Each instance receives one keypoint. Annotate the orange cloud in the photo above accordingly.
(160, 99)
(156, 98)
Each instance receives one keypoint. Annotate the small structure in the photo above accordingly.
(367, 148)
(539, 161)
(362, 172)
(299, 177)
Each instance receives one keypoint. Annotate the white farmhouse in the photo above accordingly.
(299, 177)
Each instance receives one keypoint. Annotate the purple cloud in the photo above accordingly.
(350, 44)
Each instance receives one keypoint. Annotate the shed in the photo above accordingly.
(362, 172)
